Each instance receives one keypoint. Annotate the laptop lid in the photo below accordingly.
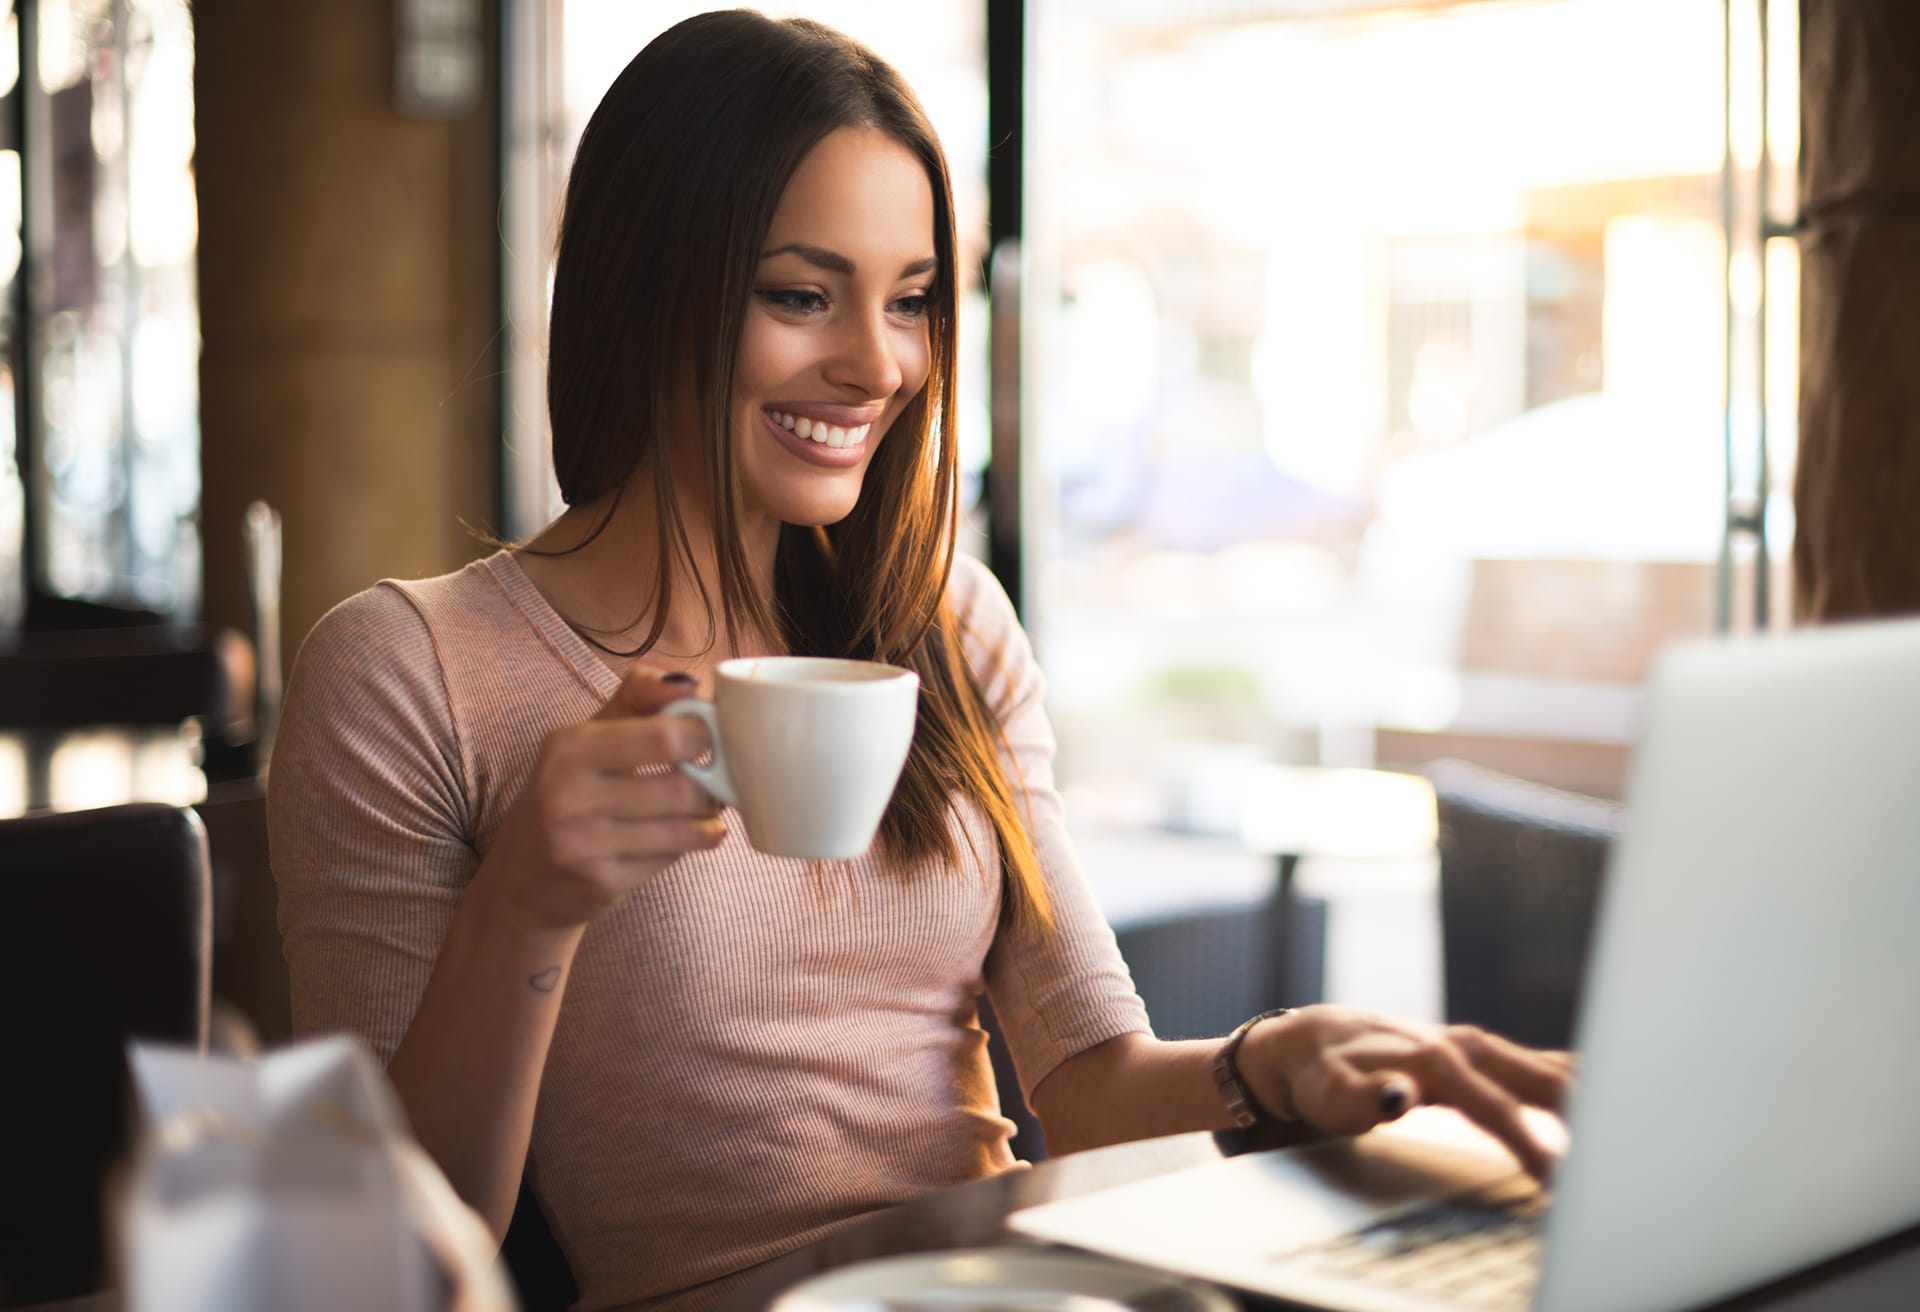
(1749, 1028)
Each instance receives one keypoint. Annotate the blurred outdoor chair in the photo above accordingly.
(1521, 867)
(105, 935)
(1200, 973)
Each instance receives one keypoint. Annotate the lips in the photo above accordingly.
(821, 431)
(815, 448)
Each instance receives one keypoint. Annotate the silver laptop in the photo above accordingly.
(1750, 1037)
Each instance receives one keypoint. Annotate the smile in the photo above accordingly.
(820, 431)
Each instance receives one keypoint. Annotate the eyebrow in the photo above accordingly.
(838, 263)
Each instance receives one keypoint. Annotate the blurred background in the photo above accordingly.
(1347, 385)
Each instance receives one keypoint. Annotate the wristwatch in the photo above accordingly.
(1242, 1106)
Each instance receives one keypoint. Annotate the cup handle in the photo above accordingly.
(713, 778)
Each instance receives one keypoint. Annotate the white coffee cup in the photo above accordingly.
(808, 748)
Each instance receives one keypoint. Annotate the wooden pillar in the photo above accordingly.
(349, 306)
(1857, 491)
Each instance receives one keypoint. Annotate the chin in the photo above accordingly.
(814, 507)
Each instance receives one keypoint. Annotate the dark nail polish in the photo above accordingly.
(679, 676)
(1393, 1101)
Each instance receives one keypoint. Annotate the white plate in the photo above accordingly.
(999, 1280)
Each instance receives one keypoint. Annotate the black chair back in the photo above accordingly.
(542, 1280)
(105, 935)
(154, 675)
(1520, 874)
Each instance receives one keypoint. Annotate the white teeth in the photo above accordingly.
(818, 430)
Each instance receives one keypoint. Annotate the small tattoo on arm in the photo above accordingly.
(545, 981)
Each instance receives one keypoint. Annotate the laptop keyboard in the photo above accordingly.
(1469, 1255)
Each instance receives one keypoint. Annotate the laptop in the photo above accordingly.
(1746, 1104)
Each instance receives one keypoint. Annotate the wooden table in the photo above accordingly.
(1877, 1278)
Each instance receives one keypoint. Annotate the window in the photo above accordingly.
(1377, 386)
(98, 229)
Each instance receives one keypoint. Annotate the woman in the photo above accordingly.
(702, 1056)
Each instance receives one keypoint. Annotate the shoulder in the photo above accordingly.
(369, 720)
(384, 645)
(370, 631)
(980, 604)
(475, 595)
(396, 624)
(989, 634)
(367, 678)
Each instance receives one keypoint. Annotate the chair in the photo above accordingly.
(1202, 972)
(137, 675)
(542, 1280)
(105, 935)
(1029, 1142)
(1520, 875)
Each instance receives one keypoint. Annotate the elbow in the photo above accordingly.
(1074, 1103)
(1065, 1135)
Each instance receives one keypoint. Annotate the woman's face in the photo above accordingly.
(834, 343)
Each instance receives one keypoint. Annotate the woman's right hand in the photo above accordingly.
(1344, 1070)
(598, 817)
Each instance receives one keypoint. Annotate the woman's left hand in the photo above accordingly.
(1343, 1070)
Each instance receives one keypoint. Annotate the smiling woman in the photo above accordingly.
(834, 346)
(750, 381)
(702, 1056)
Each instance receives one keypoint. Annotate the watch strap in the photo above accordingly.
(1245, 1109)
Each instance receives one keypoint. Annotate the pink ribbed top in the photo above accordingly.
(747, 1055)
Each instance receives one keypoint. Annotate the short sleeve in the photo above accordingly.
(1058, 993)
(367, 820)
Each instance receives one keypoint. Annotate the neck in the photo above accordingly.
(604, 583)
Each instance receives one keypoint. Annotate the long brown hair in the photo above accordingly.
(672, 191)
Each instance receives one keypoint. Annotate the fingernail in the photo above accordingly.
(1393, 1100)
(679, 676)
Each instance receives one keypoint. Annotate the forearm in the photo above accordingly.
(1338, 1070)
(1131, 1087)
(468, 1070)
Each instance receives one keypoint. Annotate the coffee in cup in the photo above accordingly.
(808, 748)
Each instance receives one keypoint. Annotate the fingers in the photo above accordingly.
(1541, 1078)
(604, 809)
(645, 689)
(605, 790)
(1339, 1097)
(638, 842)
(1443, 1073)
(1359, 1069)
(619, 745)
(637, 795)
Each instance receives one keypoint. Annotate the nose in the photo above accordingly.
(864, 357)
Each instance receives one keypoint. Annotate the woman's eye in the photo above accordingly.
(794, 301)
(915, 306)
